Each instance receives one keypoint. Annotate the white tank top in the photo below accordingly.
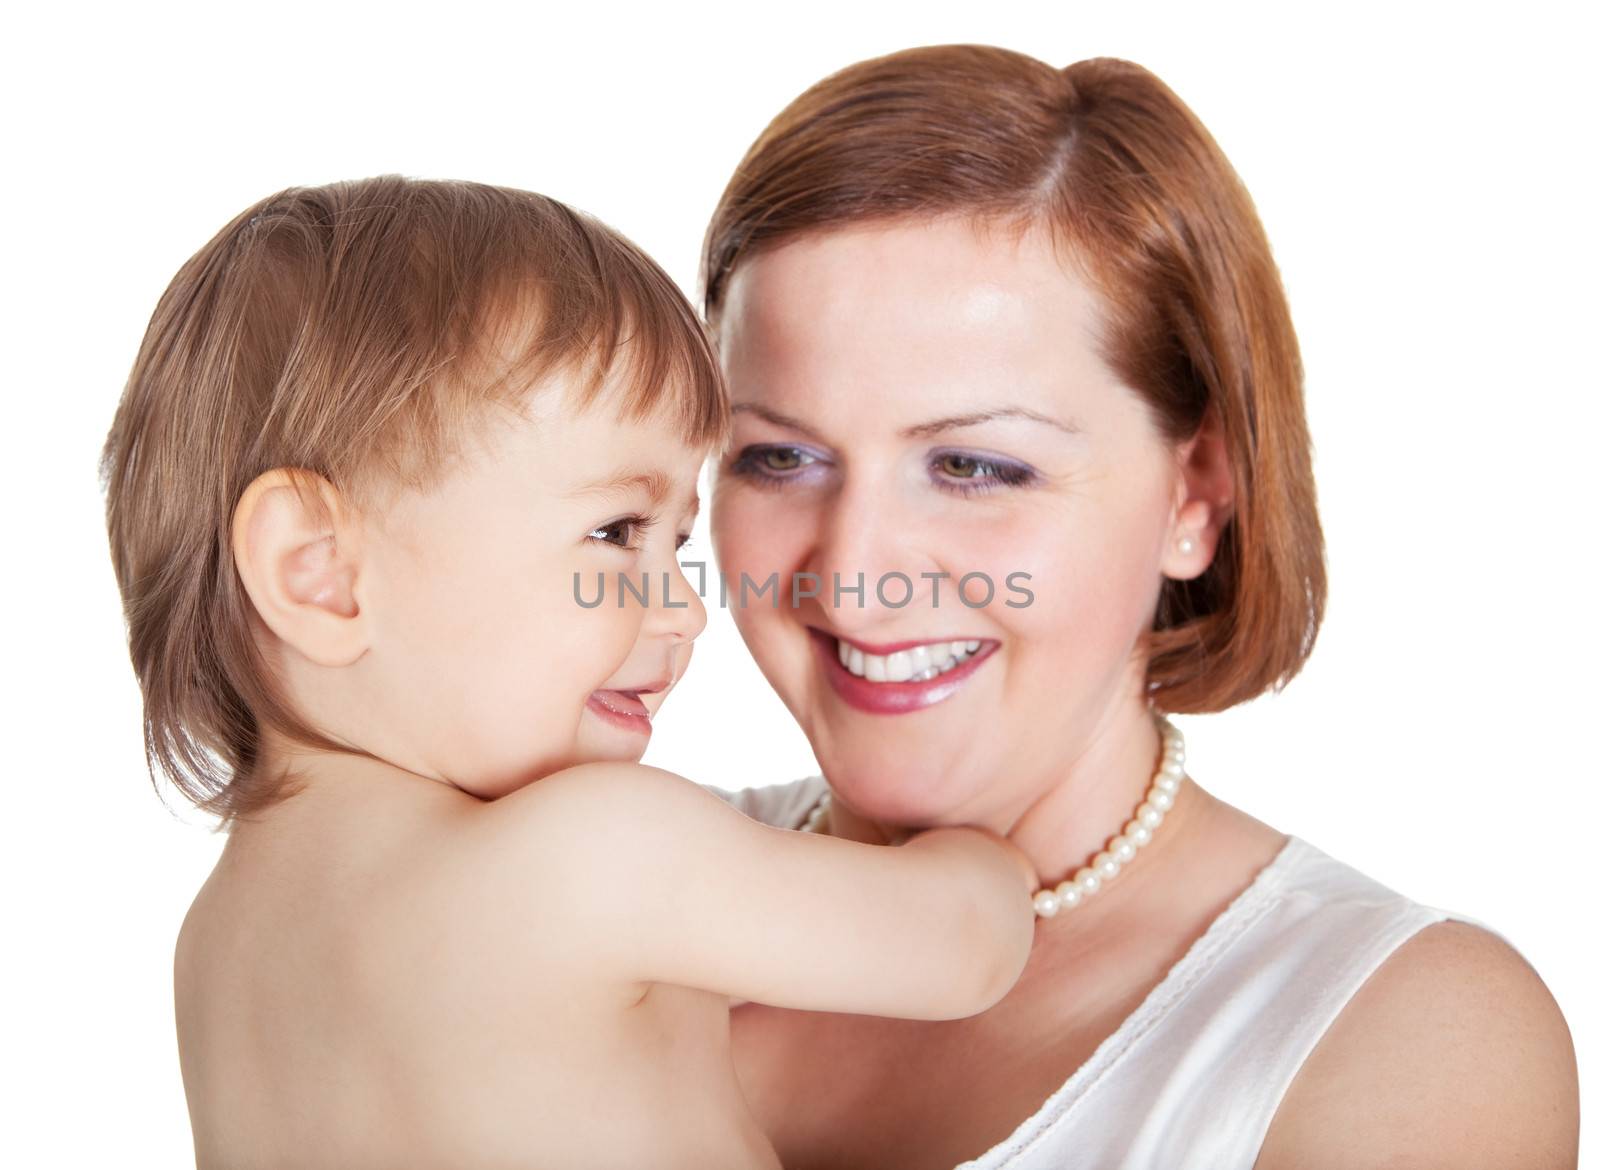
(1195, 1074)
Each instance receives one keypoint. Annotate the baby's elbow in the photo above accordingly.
(992, 909)
(1000, 937)
(1015, 946)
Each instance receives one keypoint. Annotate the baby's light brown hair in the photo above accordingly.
(356, 331)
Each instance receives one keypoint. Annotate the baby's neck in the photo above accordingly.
(327, 786)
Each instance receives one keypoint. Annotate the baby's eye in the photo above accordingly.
(622, 532)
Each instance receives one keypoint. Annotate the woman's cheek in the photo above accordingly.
(740, 518)
(1089, 607)
(1001, 565)
(752, 539)
(1053, 591)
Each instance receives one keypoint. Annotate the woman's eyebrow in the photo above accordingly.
(777, 418)
(922, 430)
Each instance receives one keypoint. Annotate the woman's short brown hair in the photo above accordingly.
(357, 332)
(1135, 190)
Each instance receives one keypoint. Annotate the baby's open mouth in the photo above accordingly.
(622, 702)
(621, 709)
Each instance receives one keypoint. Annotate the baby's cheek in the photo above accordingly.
(680, 659)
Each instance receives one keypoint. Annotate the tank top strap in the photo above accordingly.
(1195, 1074)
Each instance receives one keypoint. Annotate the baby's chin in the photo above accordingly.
(604, 745)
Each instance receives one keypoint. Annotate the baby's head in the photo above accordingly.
(379, 440)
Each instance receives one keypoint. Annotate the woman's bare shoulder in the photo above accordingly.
(1453, 1054)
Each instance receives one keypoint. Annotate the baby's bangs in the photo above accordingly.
(612, 321)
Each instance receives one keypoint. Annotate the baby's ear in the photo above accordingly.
(298, 556)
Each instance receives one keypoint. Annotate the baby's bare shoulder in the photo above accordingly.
(550, 862)
(608, 803)
(567, 841)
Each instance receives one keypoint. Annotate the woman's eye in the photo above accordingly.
(771, 462)
(971, 473)
(956, 471)
(782, 459)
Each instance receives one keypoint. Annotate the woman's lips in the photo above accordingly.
(892, 698)
(622, 709)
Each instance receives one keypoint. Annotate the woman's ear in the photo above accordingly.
(1204, 501)
(299, 559)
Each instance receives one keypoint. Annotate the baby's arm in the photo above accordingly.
(669, 884)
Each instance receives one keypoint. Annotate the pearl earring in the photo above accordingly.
(1185, 546)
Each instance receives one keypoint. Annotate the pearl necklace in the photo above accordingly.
(1119, 851)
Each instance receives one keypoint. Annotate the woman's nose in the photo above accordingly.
(865, 566)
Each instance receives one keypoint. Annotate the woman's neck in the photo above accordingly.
(1065, 818)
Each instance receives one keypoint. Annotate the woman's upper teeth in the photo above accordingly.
(916, 663)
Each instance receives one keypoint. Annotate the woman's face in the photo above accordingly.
(926, 400)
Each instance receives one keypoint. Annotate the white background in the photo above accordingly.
(1424, 175)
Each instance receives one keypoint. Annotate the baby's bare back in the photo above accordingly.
(351, 992)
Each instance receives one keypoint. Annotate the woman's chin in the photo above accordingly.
(889, 783)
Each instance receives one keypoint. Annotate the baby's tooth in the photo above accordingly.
(897, 667)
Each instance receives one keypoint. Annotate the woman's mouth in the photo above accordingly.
(905, 676)
(622, 709)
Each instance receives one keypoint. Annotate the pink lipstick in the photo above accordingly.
(891, 698)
